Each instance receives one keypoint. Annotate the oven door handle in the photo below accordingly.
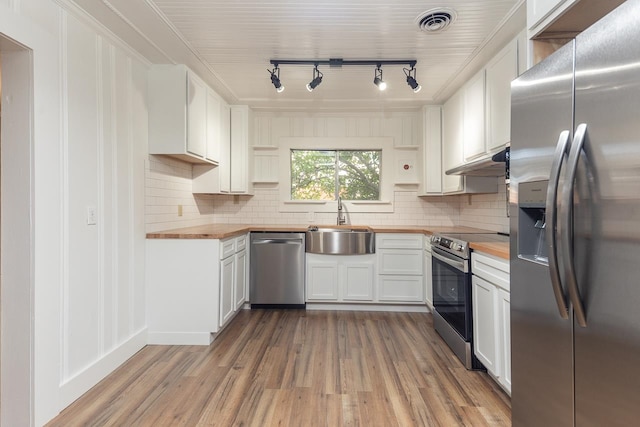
(458, 264)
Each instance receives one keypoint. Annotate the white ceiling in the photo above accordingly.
(232, 41)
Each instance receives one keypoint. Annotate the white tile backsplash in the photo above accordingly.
(488, 211)
(168, 184)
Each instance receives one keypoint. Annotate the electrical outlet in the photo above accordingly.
(311, 216)
(91, 215)
(179, 210)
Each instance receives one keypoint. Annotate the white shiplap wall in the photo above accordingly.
(88, 148)
(104, 146)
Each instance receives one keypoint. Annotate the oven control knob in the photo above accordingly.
(459, 248)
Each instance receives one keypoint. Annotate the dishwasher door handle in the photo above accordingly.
(277, 241)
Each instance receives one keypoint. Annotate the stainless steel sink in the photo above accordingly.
(340, 241)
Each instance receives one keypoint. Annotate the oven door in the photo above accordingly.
(452, 291)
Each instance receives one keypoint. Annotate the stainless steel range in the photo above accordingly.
(451, 270)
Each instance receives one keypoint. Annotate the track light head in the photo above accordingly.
(411, 79)
(317, 79)
(377, 80)
(275, 79)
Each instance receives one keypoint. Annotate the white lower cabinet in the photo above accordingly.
(240, 282)
(322, 278)
(193, 288)
(233, 273)
(400, 288)
(357, 278)
(227, 271)
(491, 315)
(485, 323)
(335, 278)
(504, 313)
(400, 268)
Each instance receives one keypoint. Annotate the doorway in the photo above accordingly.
(16, 234)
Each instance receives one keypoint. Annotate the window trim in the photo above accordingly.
(385, 144)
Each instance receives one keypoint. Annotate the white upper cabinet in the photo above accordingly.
(500, 71)
(213, 127)
(473, 117)
(432, 134)
(452, 141)
(241, 119)
(178, 113)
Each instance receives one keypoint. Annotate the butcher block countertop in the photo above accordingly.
(499, 249)
(222, 231)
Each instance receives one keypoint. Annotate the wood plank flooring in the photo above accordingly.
(298, 368)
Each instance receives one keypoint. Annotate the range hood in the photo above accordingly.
(493, 165)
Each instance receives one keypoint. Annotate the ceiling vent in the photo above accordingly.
(435, 20)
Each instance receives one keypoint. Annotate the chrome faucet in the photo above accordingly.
(341, 219)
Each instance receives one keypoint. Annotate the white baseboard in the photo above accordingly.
(80, 383)
(179, 338)
(368, 307)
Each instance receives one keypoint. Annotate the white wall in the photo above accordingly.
(88, 149)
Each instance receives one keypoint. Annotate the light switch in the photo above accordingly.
(91, 215)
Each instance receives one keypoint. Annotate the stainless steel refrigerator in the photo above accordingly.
(575, 227)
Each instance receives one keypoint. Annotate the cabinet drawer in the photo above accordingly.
(227, 248)
(400, 261)
(400, 288)
(399, 241)
(492, 269)
(241, 243)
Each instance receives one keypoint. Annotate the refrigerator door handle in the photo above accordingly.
(552, 220)
(566, 212)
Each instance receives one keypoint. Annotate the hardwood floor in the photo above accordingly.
(298, 368)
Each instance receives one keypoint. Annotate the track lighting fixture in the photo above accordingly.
(275, 78)
(338, 63)
(378, 79)
(317, 79)
(411, 79)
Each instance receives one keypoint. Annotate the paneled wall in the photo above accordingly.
(104, 146)
(85, 170)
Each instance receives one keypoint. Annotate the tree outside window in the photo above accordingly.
(327, 174)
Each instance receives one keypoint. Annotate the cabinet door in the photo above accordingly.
(473, 117)
(196, 116)
(213, 127)
(240, 279)
(502, 69)
(240, 149)
(504, 310)
(428, 280)
(452, 134)
(400, 288)
(322, 280)
(432, 131)
(224, 167)
(484, 324)
(357, 280)
(227, 271)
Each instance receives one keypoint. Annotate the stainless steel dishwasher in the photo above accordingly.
(277, 270)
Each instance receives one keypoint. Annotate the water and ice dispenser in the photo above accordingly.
(532, 220)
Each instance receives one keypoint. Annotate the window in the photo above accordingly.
(327, 174)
